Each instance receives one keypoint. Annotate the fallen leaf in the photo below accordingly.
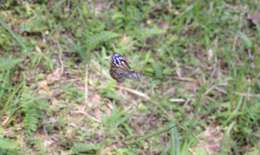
(210, 54)
(211, 140)
(254, 19)
(43, 85)
(54, 76)
(164, 25)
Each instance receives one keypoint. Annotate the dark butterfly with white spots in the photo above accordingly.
(120, 69)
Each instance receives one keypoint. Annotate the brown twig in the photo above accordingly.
(247, 94)
(185, 79)
(135, 92)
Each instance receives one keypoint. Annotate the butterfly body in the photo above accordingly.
(120, 69)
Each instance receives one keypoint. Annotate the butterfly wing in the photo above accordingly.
(117, 73)
(120, 69)
(133, 75)
(120, 62)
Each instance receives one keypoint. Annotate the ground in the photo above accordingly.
(199, 92)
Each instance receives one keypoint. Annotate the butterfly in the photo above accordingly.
(120, 69)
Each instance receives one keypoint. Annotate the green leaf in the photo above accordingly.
(175, 141)
(115, 119)
(86, 148)
(144, 33)
(33, 108)
(8, 144)
(246, 40)
(158, 70)
(16, 37)
(94, 40)
(8, 63)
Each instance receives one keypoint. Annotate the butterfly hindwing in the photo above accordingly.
(121, 70)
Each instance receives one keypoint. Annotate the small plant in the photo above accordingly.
(33, 109)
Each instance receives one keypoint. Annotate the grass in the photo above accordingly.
(200, 93)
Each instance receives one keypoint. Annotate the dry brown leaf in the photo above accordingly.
(211, 140)
(100, 6)
(178, 69)
(5, 121)
(43, 85)
(254, 18)
(54, 76)
(164, 25)
(210, 54)
(191, 86)
(95, 99)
